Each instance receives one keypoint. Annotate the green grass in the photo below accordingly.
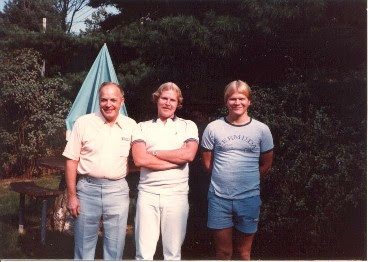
(27, 246)
(197, 244)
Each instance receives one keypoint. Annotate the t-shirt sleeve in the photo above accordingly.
(138, 133)
(267, 140)
(192, 132)
(73, 147)
(208, 140)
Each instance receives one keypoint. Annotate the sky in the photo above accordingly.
(79, 18)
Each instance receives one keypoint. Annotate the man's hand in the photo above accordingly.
(179, 156)
(142, 158)
(73, 206)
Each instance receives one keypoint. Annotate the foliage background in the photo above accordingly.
(306, 62)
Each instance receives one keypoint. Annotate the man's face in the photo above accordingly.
(111, 101)
(237, 104)
(167, 104)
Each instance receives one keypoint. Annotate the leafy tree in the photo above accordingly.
(261, 41)
(32, 112)
(317, 187)
(94, 24)
(145, 10)
(28, 14)
(69, 8)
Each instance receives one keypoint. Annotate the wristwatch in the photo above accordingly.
(154, 152)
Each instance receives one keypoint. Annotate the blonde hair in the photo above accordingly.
(165, 87)
(237, 86)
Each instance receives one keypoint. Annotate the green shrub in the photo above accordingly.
(318, 181)
(32, 112)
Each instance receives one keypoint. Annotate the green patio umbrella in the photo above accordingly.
(87, 100)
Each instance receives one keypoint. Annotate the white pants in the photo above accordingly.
(155, 212)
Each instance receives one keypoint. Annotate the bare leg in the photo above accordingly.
(243, 244)
(223, 243)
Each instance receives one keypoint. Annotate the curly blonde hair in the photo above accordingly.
(165, 87)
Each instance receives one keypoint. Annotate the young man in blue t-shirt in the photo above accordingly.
(237, 150)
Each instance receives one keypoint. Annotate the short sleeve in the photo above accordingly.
(73, 147)
(138, 133)
(267, 140)
(208, 140)
(191, 132)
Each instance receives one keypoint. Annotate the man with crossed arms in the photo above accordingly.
(162, 147)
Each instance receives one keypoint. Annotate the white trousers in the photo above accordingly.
(155, 212)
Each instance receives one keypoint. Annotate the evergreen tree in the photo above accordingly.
(28, 14)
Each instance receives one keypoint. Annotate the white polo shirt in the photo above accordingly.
(159, 136)
(102, 150)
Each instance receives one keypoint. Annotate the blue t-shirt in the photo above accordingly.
(236, 151)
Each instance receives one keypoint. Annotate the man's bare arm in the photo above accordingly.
(70, 179)
(132, 167)
(142, 159)
(265, 163)
(207, 160)
(181, 155)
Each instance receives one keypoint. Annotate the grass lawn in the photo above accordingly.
(28, 246)
(197, 244)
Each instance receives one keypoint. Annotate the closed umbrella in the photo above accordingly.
(87, 100)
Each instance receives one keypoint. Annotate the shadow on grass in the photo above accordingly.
(57, 246)
(198, 241)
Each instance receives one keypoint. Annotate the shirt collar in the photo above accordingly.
(157, 119)
(102, 120)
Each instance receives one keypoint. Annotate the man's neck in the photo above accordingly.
(164, 119)
(238, 120)
(112, 122)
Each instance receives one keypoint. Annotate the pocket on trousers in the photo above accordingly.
(80, 184)
(210, 195)
(124, 187)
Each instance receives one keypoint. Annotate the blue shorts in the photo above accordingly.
(243, 214)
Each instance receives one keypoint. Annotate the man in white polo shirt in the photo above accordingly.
(97, 151)
(162, 147)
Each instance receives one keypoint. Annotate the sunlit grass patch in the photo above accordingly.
(14, 245)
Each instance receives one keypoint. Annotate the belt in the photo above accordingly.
(95, 180)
